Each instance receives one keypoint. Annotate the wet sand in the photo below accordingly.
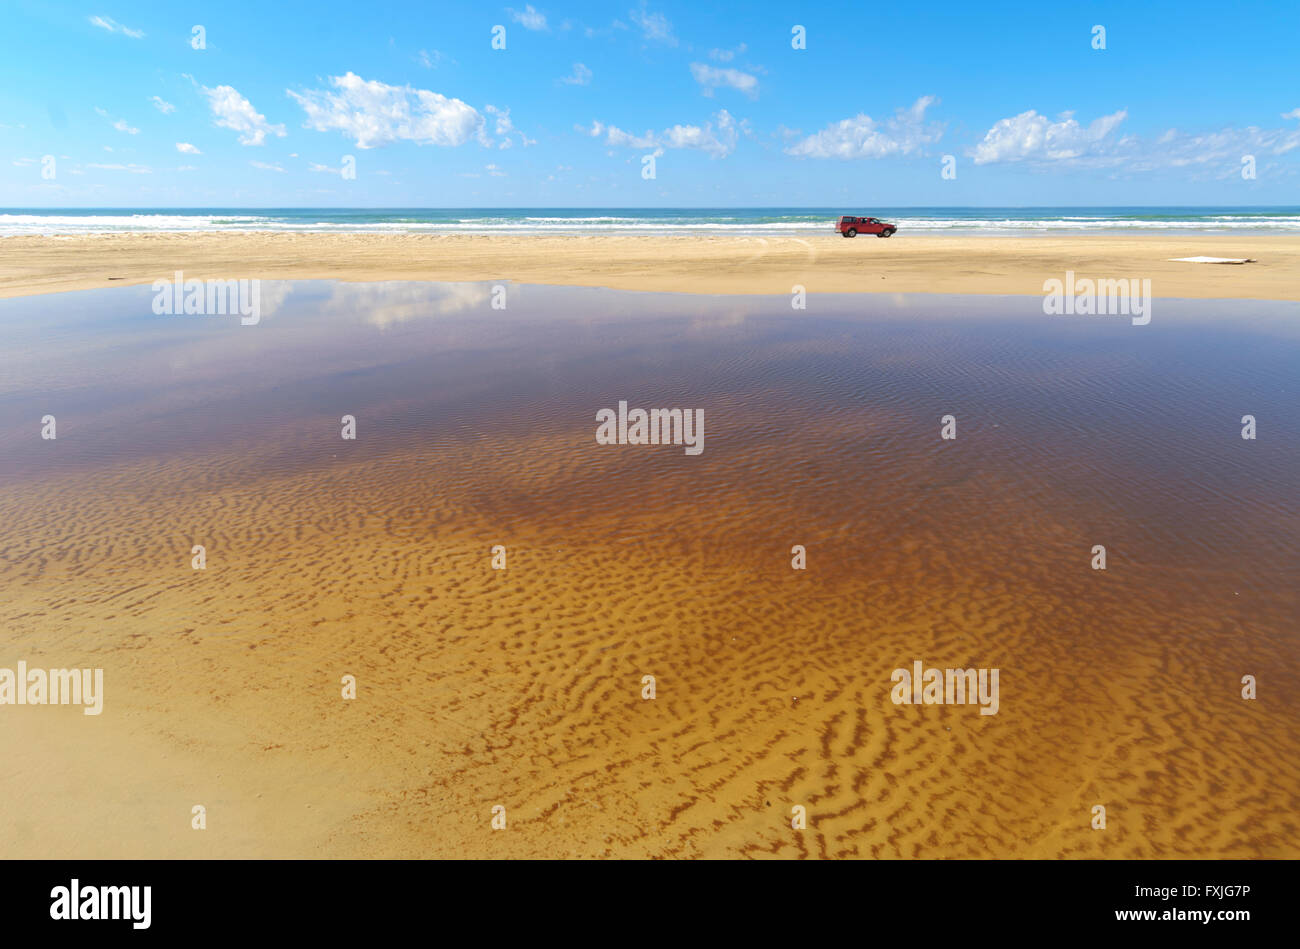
(522, 687)
(823, 263)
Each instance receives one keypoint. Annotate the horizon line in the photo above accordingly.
(614, 207)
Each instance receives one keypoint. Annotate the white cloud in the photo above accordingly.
(1223, 148)
(716, 138)
(616, 136)
(494, 171)
(266, 167)
(119, 124)
(653, 26)
(528, 18)
(504, 128)
(185, 148)
(108, 23)
(863, 137)
(503, 125)
(1032, 137)
(1293, 114)
(727, 55)
(581, 76)
(230, 110)
(162, 105)
(430, 59)
(133, 169)
(711, 77)
(376, 114)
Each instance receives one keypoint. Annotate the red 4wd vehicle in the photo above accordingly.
(853, 226)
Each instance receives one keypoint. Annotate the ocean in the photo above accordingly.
(956, 220)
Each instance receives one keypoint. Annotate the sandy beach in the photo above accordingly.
(827, 263)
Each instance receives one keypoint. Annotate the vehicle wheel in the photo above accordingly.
(885, 234)
(850, 233)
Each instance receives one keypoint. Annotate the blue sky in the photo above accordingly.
(268, 112)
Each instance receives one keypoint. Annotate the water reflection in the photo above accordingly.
(476, 426)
